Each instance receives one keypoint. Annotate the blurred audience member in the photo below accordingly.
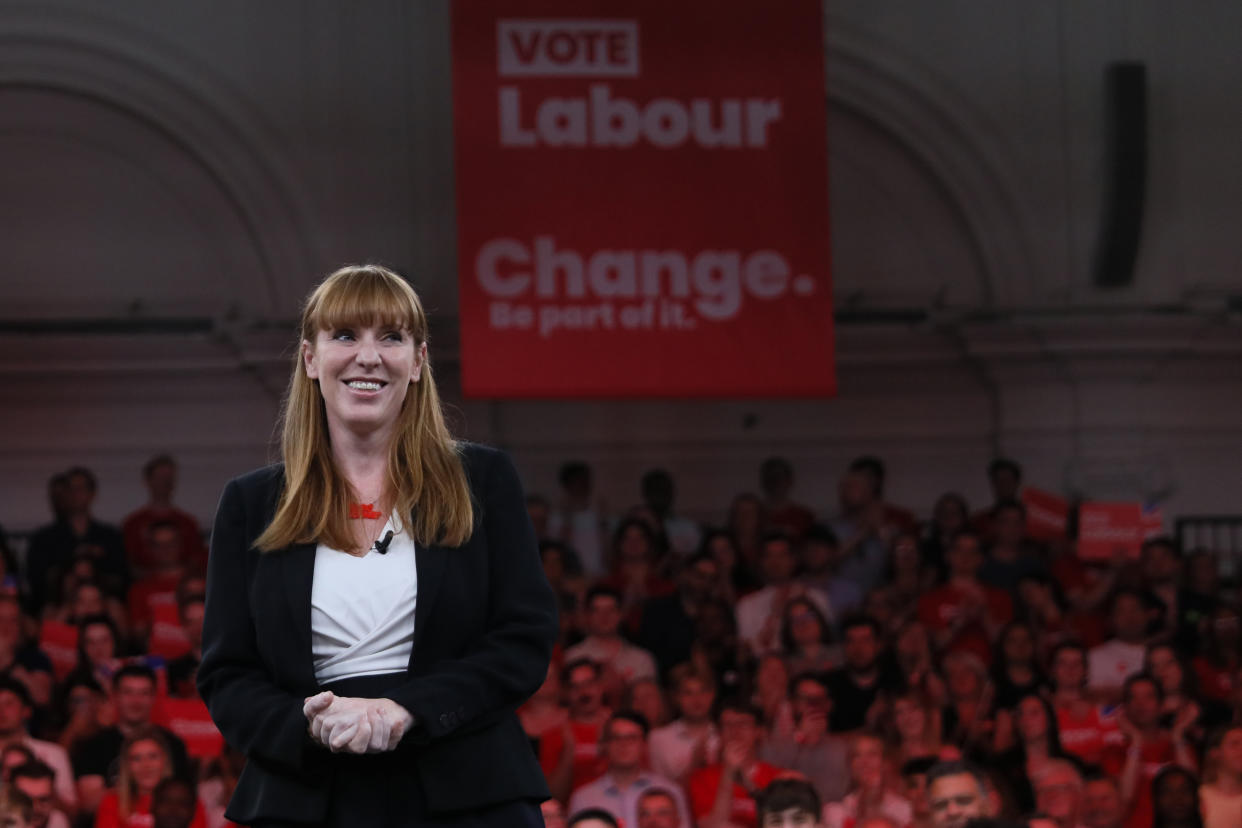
(621, 660)
(37, 781)
(691, 741)
(145, 761)
(810, 749)
(579, 522)
(1221, 793)
(15, 710)
(965, 615)
(722, 794)
(869, 793)
(95, 759)
(624, 748)
(776, 481)
(659, 494)
(569, 754)
(759, 613)
(1114, 661)
(160, 477)
(667, 627)
(75, 532)
(821, 558)
(863, 677)
(789, 803)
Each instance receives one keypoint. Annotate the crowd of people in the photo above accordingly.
(849, 666)
(878, 670)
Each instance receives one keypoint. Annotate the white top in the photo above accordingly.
(670, 749)
(362, 609)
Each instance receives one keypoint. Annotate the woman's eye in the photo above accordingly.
(393, 336)
(343, 335)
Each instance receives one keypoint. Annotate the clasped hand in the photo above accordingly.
(349, 725)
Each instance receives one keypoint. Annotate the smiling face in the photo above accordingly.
(363, 373)
(147, 764)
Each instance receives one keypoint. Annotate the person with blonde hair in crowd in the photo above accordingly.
(870, 793)
(376, 606)
(145, 761)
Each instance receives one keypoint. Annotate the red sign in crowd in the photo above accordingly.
(642, 198)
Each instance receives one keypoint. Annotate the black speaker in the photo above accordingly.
(1125, 174)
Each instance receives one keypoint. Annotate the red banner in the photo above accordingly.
(642, 198)
(1104, 529)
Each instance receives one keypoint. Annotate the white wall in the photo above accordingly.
(207, 162)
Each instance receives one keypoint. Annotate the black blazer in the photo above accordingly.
(484, 627)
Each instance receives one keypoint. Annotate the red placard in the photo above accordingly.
(1107, 528)
(189, 719)
(1047, 515)
(60, 642)
(642, 198)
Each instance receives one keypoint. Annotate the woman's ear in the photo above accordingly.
(308, 360)
(420, 358)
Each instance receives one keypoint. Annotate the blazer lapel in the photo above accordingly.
(429, 561)
(298, 574)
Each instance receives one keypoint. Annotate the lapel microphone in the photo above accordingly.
(381, 546)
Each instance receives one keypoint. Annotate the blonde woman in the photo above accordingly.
(145, 762)
(376, 608)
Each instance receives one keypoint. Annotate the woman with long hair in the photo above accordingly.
(806, 639)
(376, 607)
(1035, 740)
(145, 762)
(871, 792)
(633, 561)
(1015, 668)
(913, 729)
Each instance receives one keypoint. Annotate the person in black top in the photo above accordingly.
(95, 759)
(857, 685)
(53, 548)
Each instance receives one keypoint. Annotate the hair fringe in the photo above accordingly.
(426, 477)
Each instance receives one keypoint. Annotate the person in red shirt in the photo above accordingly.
(569, 753)
(166, 557)
(964, 614)
(722, 794)
(145, 762)
(160, 476)
(1147, 747)
(1085, 727)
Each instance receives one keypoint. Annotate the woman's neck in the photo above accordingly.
(362, 458)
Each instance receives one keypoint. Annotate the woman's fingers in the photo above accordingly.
(340, 736)
(318, 703)
(362, 736)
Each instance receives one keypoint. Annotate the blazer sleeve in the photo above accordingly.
(510, 661)
(255, 715)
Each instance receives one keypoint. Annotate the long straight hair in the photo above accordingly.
(127, 793)
(425, 477)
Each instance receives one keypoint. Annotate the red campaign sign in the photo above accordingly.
(60, 642)
(189, 719)
(1047, 515)
(642, 198)
(1106, 528)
